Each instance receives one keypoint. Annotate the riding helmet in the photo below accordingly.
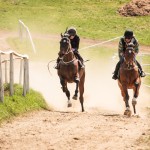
(128, 34)
(72, 31)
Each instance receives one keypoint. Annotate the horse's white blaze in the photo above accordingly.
(127, 108)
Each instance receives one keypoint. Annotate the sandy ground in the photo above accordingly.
(101, 127)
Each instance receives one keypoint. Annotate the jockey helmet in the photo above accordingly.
(72, 31)
(128, 34)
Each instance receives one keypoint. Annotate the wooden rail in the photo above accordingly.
(12, 56)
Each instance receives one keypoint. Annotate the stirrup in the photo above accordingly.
(82, 66)
(77, 79)
(115, 77)
(142, 74)
(57, 66)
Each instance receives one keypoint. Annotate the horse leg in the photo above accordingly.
(136, 93)
(62, 82)
(65, 89)
(68, 95)
(126, 99)
(76, 91)
(81, 89)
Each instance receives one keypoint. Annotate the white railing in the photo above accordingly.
(23, 27)
(12, 56)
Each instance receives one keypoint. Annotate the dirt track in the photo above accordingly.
(101, 127)
(93, 130)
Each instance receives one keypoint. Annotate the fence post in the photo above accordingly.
(21, 65)
(27, 65)
(1, 83)
(11, 74)
(26, 77)
(6, 80)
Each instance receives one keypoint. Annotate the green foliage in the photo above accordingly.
(94, 19)
(18, 104)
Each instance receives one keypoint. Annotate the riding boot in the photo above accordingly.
(115, 76)
(77, 79)
(57, 64)
(78, 56)
(81, 64)
(142, 73)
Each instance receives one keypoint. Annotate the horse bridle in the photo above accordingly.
(66, 53)
(128, 63)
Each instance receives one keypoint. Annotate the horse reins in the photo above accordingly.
(128, 65)
(67, 52)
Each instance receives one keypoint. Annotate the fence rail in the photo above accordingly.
(23, 27)
(13, 56)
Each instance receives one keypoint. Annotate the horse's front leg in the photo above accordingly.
(65, 89)
(136, 93)
(81, 88)
(68, 96)
(75, 97)
(126, 100)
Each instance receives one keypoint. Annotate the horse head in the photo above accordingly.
(129, 54)
(65, 46)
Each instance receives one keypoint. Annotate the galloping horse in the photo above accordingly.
(69, 71)
(129, 79)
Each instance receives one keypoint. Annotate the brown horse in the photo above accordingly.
(69, 71)
(129, 79)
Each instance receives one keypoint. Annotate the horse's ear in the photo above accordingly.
(66, 29)
(61, 35)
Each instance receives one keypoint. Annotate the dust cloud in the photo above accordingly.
(101, 92)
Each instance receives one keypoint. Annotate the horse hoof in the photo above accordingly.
(69, 105)
(127, 113)
(134, 103)
(75, 97)
(136, 115)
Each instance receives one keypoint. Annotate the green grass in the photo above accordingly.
(17, 104)
(93, 19)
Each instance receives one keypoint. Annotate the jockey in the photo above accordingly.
(74, 40)
(127, 39)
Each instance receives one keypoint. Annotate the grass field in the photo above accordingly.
(93, 19)
(18, 104)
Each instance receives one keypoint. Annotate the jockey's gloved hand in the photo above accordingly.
(131, 44)
(73, 49)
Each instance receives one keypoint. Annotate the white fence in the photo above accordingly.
(144, 59)
(24, 65)
(22, 28)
